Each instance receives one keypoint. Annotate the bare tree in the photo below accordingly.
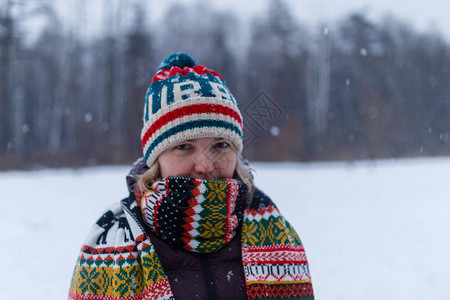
(7, 31)
(318, 89)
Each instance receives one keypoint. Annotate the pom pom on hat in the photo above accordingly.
(187, 101)
(180, 60)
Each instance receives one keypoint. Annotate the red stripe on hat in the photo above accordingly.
(198, 69)
(190, 110)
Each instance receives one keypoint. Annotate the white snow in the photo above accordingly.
(372, 230)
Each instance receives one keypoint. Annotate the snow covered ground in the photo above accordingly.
(372, 230)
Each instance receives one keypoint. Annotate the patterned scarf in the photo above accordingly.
(118, 260)
(194, 214)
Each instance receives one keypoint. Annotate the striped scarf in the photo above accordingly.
(118, 260)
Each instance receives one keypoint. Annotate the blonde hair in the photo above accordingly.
(241, 172)
(146, 179)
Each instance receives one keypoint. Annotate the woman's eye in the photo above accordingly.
(182, 147)
(221, 145)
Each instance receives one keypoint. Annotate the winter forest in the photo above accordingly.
(350, 89)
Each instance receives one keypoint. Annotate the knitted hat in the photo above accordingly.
(187, 101)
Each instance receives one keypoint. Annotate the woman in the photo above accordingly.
(194, 226)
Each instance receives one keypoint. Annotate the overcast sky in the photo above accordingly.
(422, 15)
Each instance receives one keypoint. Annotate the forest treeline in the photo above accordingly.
(350, 89)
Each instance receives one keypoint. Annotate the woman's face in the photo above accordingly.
(202, 158)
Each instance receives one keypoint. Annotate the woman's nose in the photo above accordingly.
(204, 163)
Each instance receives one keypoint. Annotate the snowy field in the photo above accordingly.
(372, 230)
